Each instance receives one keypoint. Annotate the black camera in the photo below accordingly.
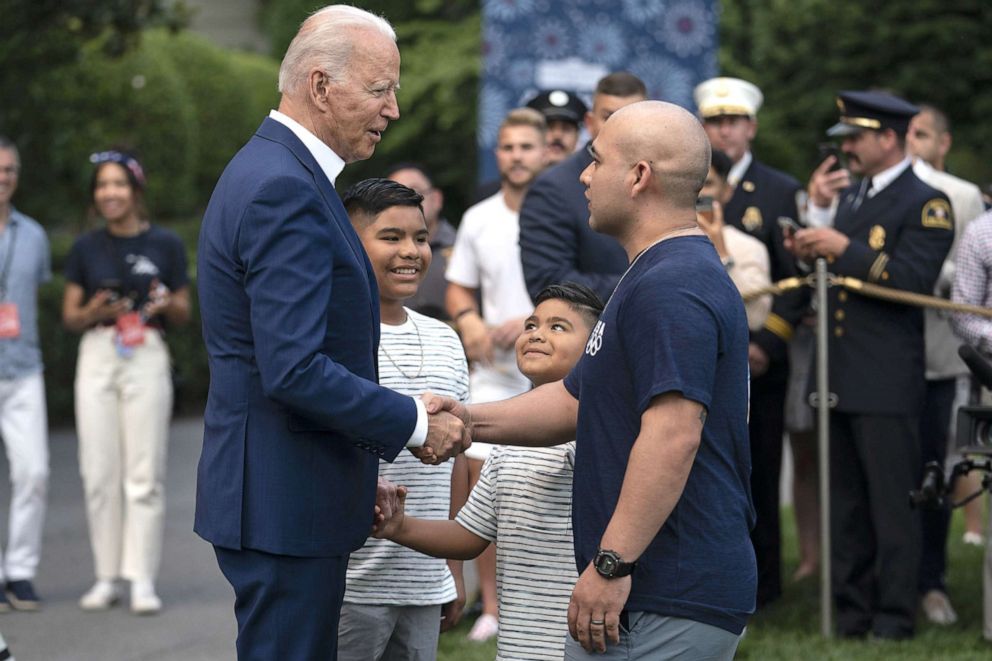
(974, 433)
(973, 440)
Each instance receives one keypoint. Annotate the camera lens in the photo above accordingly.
(983, 433)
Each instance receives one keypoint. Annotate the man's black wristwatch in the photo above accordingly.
(609, 564)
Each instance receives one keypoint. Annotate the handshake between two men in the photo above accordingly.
(448, 430)
(448, 434)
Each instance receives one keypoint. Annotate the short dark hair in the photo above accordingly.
(578, 297)
(941, 122)
(7, 144)
(409, 165)
(721, 164)
(371, 197)
(621, 83)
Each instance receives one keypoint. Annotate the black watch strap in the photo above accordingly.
(609, 564)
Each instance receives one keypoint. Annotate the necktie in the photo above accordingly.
(862, 193)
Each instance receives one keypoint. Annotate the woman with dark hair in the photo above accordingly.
(125, 283)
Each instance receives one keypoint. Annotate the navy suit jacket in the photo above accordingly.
(556, 243)
(764, 195)
(295, 422)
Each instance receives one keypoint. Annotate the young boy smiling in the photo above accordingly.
(394, 597)
(522, 501)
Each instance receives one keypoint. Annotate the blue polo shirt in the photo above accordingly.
(675, 323)
(26, 258)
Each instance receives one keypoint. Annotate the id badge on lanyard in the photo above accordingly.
(130, 330)
(10, 321)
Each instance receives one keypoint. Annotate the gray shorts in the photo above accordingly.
(660, 638)
(388, 633)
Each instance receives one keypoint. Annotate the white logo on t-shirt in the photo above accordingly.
(595, 342)
(141, 265)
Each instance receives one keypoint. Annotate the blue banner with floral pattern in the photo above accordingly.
(533, 45)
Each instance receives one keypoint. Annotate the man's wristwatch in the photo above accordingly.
(609, 564)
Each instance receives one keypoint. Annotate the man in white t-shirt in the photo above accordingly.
(486, 259)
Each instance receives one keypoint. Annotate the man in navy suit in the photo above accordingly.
(893, 230)
(556, 242)
(295, 422)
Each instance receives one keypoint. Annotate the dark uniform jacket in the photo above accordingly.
(899, 239)
(556, 243)
(762, 196)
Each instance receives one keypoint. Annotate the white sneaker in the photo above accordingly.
(144, 601)
(973, 539)
(937, 607)
(100, 597)
(484, 628)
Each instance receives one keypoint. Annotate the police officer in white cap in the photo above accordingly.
(728, 108)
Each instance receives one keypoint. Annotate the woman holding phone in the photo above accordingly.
(125, 283)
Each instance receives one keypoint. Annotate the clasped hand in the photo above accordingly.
(390, 509)
(448, 430)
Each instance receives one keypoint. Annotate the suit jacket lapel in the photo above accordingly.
(273, 130)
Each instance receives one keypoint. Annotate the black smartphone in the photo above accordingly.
(826, 150)
(789, 226)
(112, 285)
(704, 206)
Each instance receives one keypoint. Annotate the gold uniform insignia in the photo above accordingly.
(748, 186)
(937, 214)
(752, 219)
(876, 237)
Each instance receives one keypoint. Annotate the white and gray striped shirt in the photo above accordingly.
(383, 572)
(523, 503)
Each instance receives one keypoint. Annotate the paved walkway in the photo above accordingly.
(197, 622)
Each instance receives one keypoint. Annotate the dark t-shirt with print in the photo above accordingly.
(128, 265)
(675, 323)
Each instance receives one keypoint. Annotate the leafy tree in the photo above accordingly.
(801, 52)
(40, 43)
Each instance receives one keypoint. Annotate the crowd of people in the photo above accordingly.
(594, 349)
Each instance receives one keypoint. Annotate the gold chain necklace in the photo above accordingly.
(420, 345)
(670, 234)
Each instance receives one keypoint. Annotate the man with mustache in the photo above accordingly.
(563, 111)
(893, 230)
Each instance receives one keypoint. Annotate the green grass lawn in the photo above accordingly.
(789, 630)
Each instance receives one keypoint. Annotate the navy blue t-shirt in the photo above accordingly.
(100, 260)
(675, 323)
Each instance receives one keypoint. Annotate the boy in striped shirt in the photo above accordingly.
(522, 501)
(396, 600)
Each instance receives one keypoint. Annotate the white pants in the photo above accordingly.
(24, 427)
(123, 407)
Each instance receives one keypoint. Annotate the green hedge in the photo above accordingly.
(59, 346)
(184, 105)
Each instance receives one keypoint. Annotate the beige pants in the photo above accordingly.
(123, 407)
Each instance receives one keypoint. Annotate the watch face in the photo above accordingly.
(606, 564)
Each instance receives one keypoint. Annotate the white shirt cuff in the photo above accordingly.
(419, 436)
(819, 216)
